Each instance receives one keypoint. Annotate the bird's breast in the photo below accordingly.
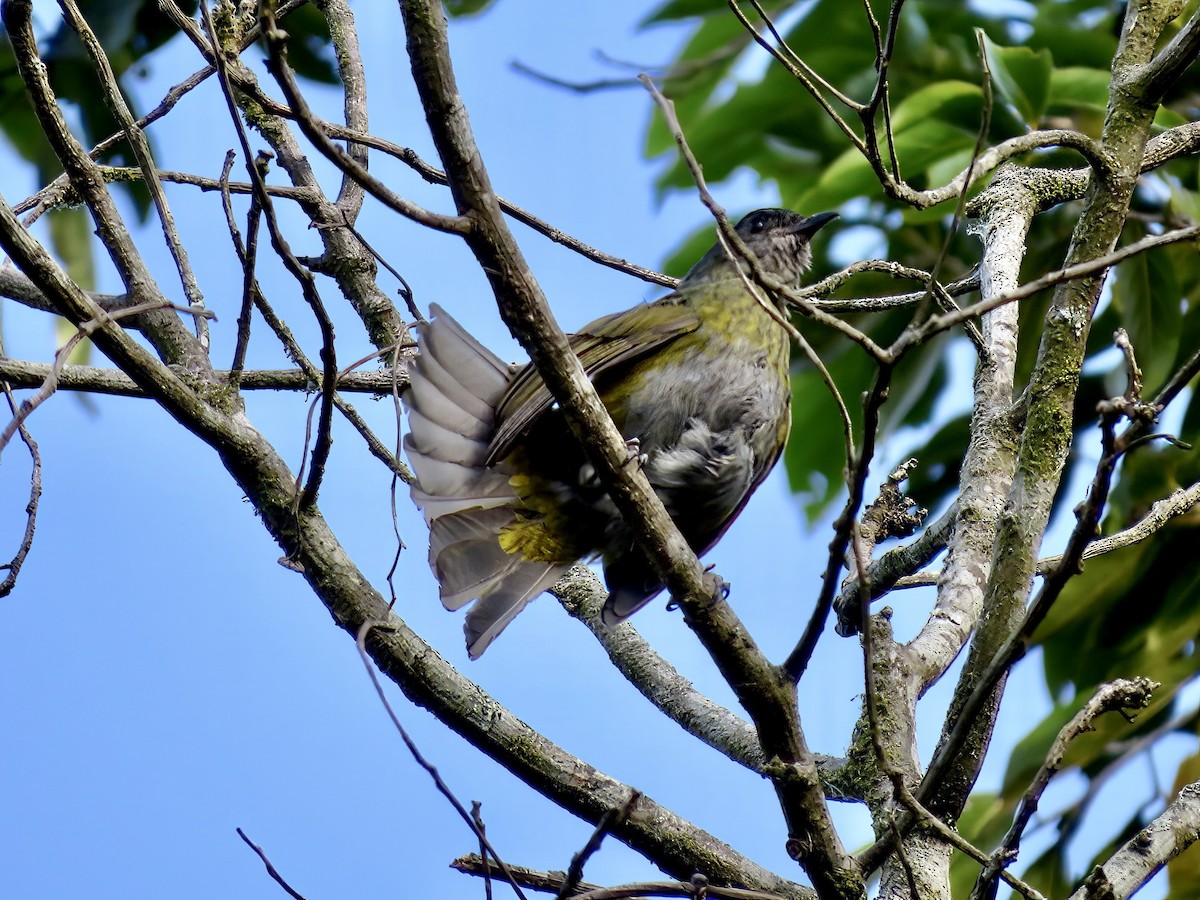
(727, 383)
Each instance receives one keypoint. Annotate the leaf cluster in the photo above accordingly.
(1133, 612)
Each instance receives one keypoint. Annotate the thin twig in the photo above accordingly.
(43, 199)
(83, 330)
(116, 104)
(734, 245)
(844, 526)
(307, 497)
(168, 335)
(1115, 696)
(430, 768)
(271, 870)
(247, 254)
(947, 320)
(985, 124)
(803, 74)
(114, 382)
(346, 162)
(13, 566)
(347, 380)
(891, 569)
(1162, 511)
(477, 818)
(614, 818)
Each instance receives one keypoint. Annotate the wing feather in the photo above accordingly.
(604, 344)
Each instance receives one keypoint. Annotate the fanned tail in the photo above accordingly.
(455, 386)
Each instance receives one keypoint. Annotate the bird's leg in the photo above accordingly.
(633, 447)
(718, 586)
(587, 472)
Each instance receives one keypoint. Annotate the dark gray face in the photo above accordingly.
(778, 237)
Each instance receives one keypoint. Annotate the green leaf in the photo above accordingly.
(1081, 94)
(1022, 76)
(1184, 203)
(1148, 298)
(1078, 86)
(719, 39)
(934, 123)
(71, 237)
(955, 102)
(1049, 872)
(984, 822)
(463, 8)
(684, 9)
(815, 455)
(1183, 872)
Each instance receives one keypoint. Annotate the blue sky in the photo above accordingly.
(163, 680)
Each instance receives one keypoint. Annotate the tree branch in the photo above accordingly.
(1139, 858)
(1114, 696)
(162, 328)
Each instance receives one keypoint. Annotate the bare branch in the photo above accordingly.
(21, 374)
(1161, 72)
(434, 175)
(803, 73)
(170, 339)
(614, 816)
(844, 525)
(551, 882)
(13, 566)
(1139, 858)
(1066, 274)
(271, 870)
(890, 569)
(320, 455)
(351, 166)
(1114, 696)
(581, 594)
(85, 329)
(141, 150)
(734, 246)
(1161, 512)
(419, 758)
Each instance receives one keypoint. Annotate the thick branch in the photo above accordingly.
(1045, 439)
(582, 595)
(991, 454)
(95, 380)
(768, 697)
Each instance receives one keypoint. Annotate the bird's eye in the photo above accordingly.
(758, 226)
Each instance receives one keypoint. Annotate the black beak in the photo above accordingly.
(813, 224)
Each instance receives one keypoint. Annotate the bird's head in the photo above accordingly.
(778, 237)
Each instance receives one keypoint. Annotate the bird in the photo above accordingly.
(697, 382)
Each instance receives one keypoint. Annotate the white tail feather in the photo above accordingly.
(456, 384)
(489, 616)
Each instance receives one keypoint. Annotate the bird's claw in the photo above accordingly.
(718, 587)
(587, 472)
(633, 447)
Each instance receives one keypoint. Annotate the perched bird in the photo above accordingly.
(696, 381)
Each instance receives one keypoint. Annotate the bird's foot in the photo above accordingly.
(587, 472)
(633, 447)
(717, 586)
